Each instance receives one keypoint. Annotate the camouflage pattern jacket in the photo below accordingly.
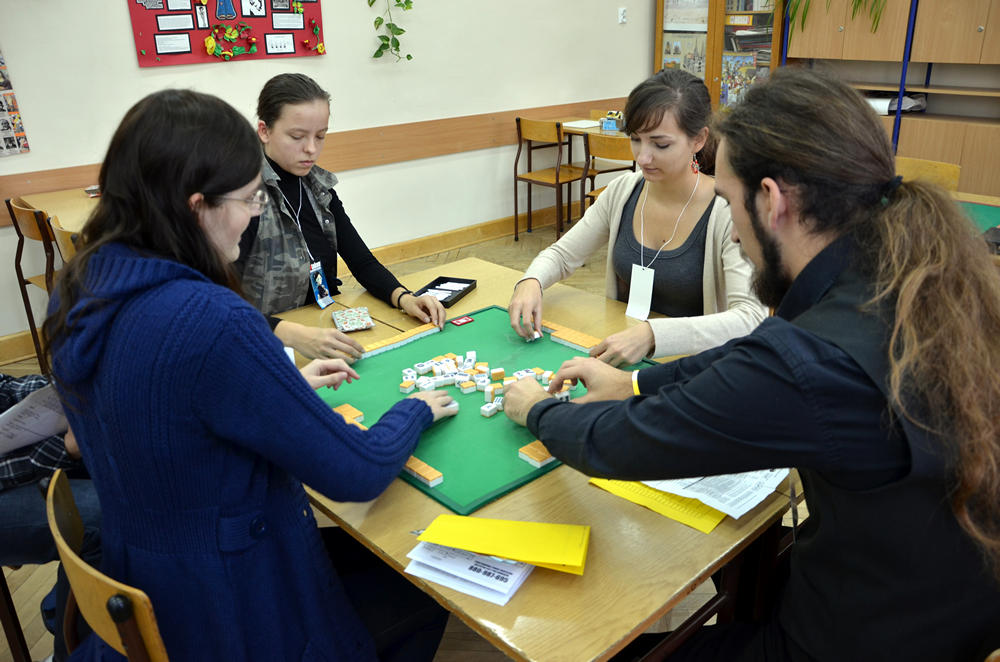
(276, 268)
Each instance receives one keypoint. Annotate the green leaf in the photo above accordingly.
(409, 57)
(395, 44)
(218, 50)
(371, 2)
(316, 30)
(395, 29)
(239, 50)
(253, 49)
(378, 22)
(379, 51)
(384, 38)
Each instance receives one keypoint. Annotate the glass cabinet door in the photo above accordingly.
(750, 46)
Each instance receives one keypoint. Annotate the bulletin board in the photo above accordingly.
(196, 31)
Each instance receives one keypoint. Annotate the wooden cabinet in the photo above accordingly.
(964, 35)
(980, 158)
(835, 34)
(956, 32)
(727, 43)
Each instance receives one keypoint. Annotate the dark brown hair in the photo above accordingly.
(285, 89)
(681, 93)
(169, 145)
(823, 144)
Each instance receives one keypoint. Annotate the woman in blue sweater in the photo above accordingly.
(195, 426)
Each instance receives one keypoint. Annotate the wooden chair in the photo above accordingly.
(65, 239)
(537, 134)
(11, 625)
(122, 616)
(32, 224)
(943, 174)
(599, 147)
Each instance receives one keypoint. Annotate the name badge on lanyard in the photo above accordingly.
(640, 292)
(320, 288)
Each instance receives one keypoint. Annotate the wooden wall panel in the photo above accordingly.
(980, 159)
(360, 148)
(937, 140)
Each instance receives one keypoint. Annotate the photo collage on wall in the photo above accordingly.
(12, 137)
(197, 31)
(685, 28)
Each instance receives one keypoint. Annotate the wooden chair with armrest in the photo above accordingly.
(539, 134)
(599, 148)
(32, 224)
(121, 615)
(945, 175)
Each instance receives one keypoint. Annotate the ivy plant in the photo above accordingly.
(798, 9)
(388, 31)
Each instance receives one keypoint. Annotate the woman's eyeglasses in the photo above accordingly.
(255, 202)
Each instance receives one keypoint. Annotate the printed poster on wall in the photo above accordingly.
(12, 138)
(195, 31)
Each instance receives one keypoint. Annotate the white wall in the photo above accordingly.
(74, 83)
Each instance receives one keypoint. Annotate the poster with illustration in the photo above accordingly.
(738, 73)
(197, 31)
(685, 15)
(685, 50)
(12, 138)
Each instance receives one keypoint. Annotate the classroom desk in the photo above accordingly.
(72, 206)
(640, 564)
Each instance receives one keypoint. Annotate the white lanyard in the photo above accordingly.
(642, 221)
(298, 223)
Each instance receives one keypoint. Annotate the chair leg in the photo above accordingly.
(11, 625)
(529, 206)
(515, 210)
(42, 364)
(559, 210)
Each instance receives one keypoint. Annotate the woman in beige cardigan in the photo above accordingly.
(675, 230)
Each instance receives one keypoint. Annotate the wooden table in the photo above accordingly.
(73, 207)
(640, 564)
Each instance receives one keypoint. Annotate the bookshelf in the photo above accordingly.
(727, 43)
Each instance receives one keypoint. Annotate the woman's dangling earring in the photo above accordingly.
(694, 164)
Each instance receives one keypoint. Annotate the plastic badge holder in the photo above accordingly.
(447, 290)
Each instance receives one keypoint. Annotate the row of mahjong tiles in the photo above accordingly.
(478, 459)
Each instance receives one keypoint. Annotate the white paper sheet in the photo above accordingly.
(881, 106)
(485, 577)
(733, 494)
(37, 417)
(582, 124)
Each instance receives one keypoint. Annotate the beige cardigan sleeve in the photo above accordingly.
(730, 310)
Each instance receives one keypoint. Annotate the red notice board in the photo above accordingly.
(194, 31)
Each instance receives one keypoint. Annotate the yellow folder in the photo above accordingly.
(560, 547)
(686, 511)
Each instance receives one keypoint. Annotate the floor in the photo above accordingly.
(460, 644)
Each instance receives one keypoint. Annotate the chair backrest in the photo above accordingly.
(943, 174)
(119, 614)
(65, 240)
(29, 222)
(602, 146)
(539, 130)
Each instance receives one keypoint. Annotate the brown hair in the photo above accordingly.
(681, 93)
(169, 145)
(821, 141)
(287, 89)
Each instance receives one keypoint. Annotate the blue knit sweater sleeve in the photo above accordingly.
(251, 395)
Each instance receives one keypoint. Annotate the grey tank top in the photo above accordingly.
(677, 273)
